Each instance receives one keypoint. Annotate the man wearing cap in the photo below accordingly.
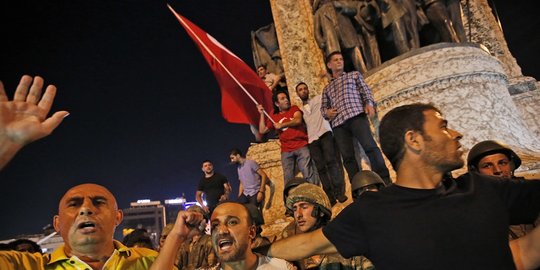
(312, 210)
(365, 181)
(291, 229)
(493, 158)
(496, 159)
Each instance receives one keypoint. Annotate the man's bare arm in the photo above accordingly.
(262, 188)
(305, 245)
(186, 226)
(227, 190)
(240, 189)
(198, 197)
(297, 120)
(526, 250)
(262, 124)
(24, 119)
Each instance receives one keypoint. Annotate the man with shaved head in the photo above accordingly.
(87, 214)
(233, 231)
(86, 220)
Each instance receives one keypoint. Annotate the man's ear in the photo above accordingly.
(413, 141)
(252, 232)
(56, 223)
(119, 217)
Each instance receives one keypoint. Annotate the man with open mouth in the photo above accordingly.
(233, 231)
(86, 220)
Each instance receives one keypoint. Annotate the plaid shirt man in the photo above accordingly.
(348, 94)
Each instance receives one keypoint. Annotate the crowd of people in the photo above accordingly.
(424, 219)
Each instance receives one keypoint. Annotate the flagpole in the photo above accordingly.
(186, 26)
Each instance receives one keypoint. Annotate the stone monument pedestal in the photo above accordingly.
(467, 84)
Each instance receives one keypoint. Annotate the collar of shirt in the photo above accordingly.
(60, 255)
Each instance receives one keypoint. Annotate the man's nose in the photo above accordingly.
(458, 136)
(222, 229)
(86, 209)
(497, 169)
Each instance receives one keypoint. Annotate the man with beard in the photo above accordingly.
(214, 186)
(322, 147)
(425, 217)
(252, 179)
(233, 231)
(86, 220)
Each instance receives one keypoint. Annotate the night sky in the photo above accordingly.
(145, 107)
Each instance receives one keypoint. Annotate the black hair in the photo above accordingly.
(138, 237)
(329, 56)
(250, 219)
(275, 97)
(298, 84)
(236, 151)
(396, 123)
(35, 247)
(207, 160)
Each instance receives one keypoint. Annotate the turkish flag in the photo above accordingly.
(240, 86)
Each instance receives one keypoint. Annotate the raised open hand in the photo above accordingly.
(24, 119)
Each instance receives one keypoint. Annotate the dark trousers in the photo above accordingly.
(328, 162)
(358, 127)
(245, 199)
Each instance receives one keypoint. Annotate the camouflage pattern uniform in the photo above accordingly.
(197, 253)
(315, 195)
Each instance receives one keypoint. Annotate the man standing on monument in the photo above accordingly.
(214, 186)
(322, 146)
(292, 135)
(347, 102)
(252, 179)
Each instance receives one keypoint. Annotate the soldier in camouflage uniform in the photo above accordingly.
(312, 210)
(197, 252)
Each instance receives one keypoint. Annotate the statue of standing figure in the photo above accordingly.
(445, 15)
(335, 32)
(365, 16)
(265, 49)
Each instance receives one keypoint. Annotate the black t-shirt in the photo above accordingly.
(463, 224)
(213, 188)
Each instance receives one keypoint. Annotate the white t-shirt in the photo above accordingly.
(269, 263)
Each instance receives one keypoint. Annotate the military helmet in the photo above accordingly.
(310, 193)
(290, 184)
(490, 147)
(365, 178)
